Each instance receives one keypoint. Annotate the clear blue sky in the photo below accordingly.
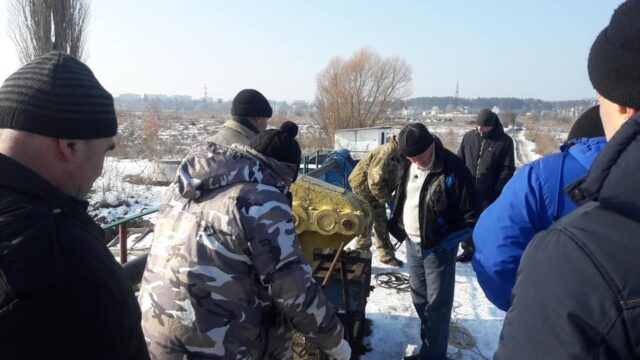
(519, 48)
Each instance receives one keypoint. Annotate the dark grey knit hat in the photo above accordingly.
(486, 117)
(251, 103)
(614, 59)
(588, 125)
(57, 96)
(414, 139)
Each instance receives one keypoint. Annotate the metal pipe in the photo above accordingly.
(347, 301)
(333, 265)
(331, 165)
(123, 243)
(127, 219)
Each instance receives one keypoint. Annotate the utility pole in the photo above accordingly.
(455, 98)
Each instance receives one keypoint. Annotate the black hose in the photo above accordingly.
(393, 280)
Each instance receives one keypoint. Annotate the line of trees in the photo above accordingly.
(505, 104)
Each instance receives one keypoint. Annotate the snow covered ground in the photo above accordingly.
(525, 149)
(114, 198)
(396, 327)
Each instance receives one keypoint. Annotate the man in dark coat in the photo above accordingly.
(62, 294)
(488, 153)
(531, 202)
(435, 207)
(577, 293)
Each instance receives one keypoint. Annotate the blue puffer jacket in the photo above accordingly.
(530, 202)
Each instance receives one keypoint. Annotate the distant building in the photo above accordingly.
(182, 98)
(360, 141)
(129, 97)
(496, 109)
(155, 97)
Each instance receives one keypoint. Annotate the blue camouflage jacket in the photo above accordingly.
(530, 202)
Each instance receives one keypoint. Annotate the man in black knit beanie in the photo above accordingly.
(435, 207)
(57, 277)
(250, 112)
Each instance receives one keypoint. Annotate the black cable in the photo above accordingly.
(393, 280)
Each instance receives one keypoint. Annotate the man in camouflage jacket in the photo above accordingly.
(226, 278)
(374, 179)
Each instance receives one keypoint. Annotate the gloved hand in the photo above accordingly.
(467, 251)
(340, 352)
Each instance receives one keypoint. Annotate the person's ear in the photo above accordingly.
(627, 112)
(66, 149)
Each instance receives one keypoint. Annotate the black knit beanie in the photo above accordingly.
(414, 139)
(486, 117)
(588, 125)
(290, 127)
(614, 59)
(251, 103)
(57, 96)
(279, 144)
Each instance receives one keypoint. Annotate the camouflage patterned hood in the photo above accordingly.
(209, 166)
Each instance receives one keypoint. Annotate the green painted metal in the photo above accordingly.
(127, 219)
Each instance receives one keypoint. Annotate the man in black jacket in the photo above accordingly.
(488, 153)
(435, 207)
(577, 294)
(62, 294)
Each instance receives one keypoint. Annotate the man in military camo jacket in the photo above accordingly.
(226, 278)
(374, 179)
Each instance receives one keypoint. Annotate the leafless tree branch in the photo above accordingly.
(359, 91)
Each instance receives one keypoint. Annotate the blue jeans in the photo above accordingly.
(432, 282)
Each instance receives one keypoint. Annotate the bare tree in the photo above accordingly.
(150, 130)
(359, 91)
(39, 26)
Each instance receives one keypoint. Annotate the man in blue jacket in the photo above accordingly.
(531, 202)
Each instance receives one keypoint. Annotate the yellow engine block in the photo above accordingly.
(326, 215)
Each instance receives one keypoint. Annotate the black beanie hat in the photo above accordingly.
(588, 125)
(279, 144)
(614, 59)
(251, 103)
(57, 96)
(414, 139)
(290, 127)
(486, 117)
